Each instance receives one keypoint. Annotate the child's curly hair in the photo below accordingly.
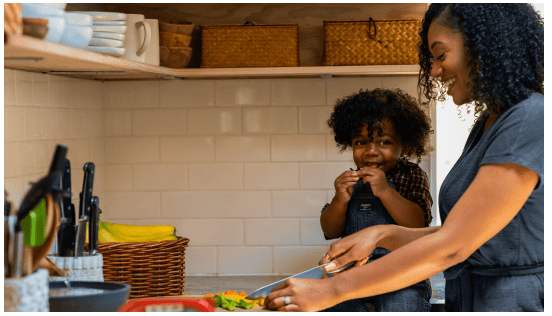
(371, 108)
(504, 46)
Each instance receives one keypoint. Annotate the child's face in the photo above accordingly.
(381, 149)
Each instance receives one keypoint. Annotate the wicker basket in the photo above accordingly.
(151, 268)
(250, 46)
(384, 42)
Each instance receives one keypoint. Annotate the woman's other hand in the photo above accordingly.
(354, 248)
(303, 295)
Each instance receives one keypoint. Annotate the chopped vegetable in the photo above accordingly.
(230, 300)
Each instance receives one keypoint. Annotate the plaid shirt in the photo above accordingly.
(412, 183)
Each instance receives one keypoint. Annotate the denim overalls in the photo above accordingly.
(366, 210)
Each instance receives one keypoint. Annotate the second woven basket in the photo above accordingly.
(150, 268)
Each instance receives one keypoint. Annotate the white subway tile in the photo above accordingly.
(92, 93)
(298, 148)
(159, 122)
(117, 123)
(78, 152)
(125, 205)
(13, 159)
(187, 149)
(9, 87)
(97, 149)
(16, 189)
(267, 176)
(271, 120)
(314, 120)
(201, 260)
(216, 204)
(160, 177)
(311, 232)
(216, 121)
(298, 92)
(118, 177)
(321, 175)
(242, 148)
(291, 260)
(333, 153)
(41, 90)
(219, 176)
(338, 88)
(132, 94)
(297, 203)
(268, 232)
(14, 123)
(244, 260)
(24, 88)
(215, 232)
(36, 121)
(408, 84)
(242, 92)
(186, 93)
(131, 150)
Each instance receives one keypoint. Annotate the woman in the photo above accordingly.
(491, 243)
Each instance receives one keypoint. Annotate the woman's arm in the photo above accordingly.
(496, 195)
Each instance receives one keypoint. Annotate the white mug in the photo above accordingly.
(137, 38)
(152, 52)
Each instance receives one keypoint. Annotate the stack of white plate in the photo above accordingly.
(108, 35)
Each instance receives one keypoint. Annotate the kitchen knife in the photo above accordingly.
(85, 204)
(93, 225)
(66, 233)
(313, 273)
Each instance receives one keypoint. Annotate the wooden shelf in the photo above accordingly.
(30, 54)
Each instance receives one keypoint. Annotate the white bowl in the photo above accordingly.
(76, 36)
(56, 27)
(121, 29)
(78, 19)
(105, 42)
(105, 16)
(110, 22)
(114, 51)
(115, 36)
(39, 10)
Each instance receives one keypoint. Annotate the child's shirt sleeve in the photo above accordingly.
(413, 185)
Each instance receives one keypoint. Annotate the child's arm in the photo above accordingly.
(403, 211)
(333, 216)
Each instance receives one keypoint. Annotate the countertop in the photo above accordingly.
(198, 285)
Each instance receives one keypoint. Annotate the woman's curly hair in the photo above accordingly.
(372, 108)
(504, 45)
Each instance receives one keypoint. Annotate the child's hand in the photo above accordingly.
(344, 185)
(376, 177)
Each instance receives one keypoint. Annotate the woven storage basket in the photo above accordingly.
(151, 268)
(373, 42)
(250, 46)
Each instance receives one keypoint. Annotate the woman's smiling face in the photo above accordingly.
(449, 63)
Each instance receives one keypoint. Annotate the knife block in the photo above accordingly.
(84, 268)
(27, 294)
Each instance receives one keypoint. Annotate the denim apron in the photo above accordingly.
(492, 289)
(365, 210)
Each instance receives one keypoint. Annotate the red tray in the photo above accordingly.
(168, 304)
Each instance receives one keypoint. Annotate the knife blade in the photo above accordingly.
(66, 233)
(84, 206)
(317, 272)
(93, 225)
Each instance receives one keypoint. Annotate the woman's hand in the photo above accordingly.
(303, 295)
(375, 176)
(344, 185)
(354, 248)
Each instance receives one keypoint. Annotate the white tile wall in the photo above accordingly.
(241, 167)
(41, 111)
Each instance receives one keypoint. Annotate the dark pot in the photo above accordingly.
(87, 296)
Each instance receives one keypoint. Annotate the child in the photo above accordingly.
(383, 128)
